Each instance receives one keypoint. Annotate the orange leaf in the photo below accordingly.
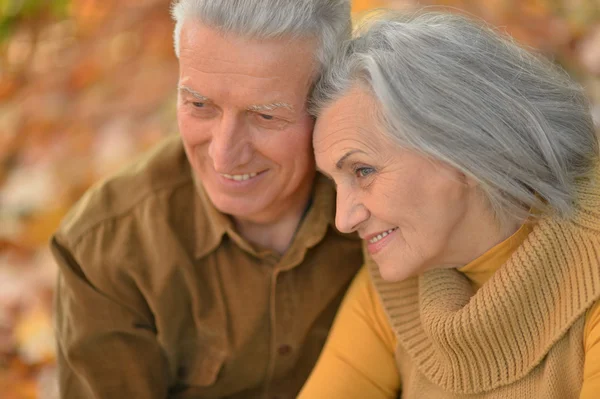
(364, 5)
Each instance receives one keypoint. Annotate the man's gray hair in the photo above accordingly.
(326, 21)
(457, 91)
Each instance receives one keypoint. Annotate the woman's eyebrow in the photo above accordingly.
(340, 163)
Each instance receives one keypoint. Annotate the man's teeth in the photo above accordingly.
(239, 177)
(381, 235)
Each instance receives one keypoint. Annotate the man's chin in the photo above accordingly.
(232, 203)
(245, 210)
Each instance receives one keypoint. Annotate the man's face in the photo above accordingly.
(243, 120)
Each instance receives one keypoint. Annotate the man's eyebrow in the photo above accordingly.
(253, 108)
(269, 107)
(193, 93)
(340, 163)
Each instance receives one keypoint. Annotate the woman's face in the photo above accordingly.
(410, 210)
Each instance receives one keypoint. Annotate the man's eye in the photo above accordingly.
(198, 104)
(267, 121)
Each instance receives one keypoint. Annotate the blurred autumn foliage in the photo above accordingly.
(85, 85)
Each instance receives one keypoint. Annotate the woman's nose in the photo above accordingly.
(349, 213)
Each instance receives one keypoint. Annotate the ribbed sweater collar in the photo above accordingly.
(468, 342)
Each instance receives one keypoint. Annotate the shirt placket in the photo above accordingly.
(282, 344)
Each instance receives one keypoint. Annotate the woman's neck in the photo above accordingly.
(479, 232)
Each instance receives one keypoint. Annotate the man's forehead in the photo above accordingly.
(214, 51)
(263, 75)
(193, 31)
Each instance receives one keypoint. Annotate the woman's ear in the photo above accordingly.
(459, 175)
(469, 181)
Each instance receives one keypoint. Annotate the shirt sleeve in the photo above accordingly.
(105, 347)
(358, 359)
(591, 366)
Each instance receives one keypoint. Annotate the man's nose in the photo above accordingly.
(229, 145)
(349, 213)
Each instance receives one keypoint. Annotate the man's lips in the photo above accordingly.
(239, 177)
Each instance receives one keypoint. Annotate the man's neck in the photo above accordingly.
(277, 233)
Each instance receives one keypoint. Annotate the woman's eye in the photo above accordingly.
(363, 171)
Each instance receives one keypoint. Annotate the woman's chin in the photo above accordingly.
(394, 274)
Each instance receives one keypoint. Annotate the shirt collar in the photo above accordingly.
(209, 224)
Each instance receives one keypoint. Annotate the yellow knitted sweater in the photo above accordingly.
(519, 336)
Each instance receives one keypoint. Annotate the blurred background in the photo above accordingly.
(85, 85)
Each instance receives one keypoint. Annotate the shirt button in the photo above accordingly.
(284, 349)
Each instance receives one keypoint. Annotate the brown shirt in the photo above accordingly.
(158, 296)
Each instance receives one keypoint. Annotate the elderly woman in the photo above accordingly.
(470, 169)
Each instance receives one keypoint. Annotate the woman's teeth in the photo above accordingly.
(381, 235)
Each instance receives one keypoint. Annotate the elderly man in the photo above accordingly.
(211, 266)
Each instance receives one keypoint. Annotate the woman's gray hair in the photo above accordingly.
(327, 21)
(458, 91)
